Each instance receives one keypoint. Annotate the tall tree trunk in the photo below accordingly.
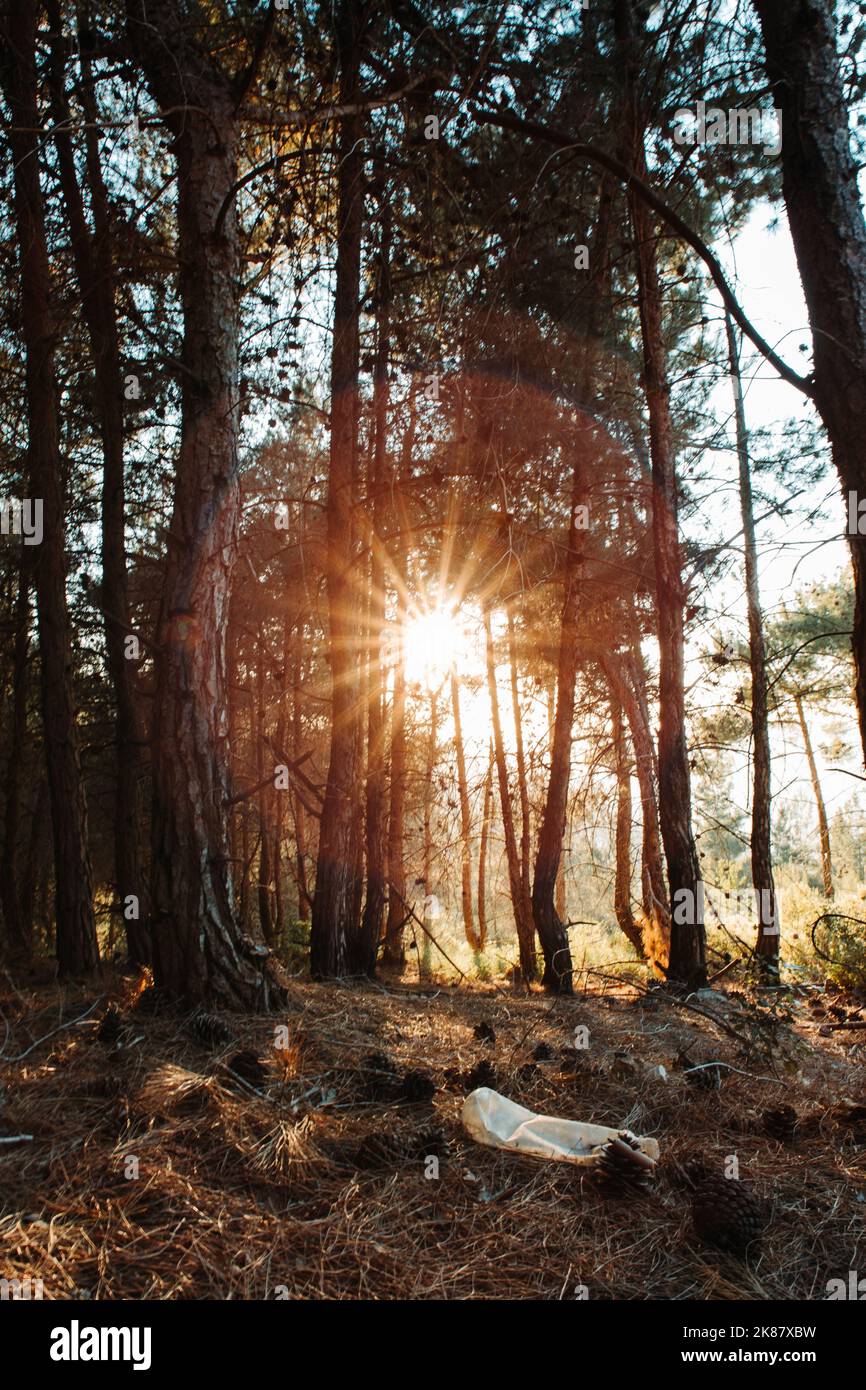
(559, 900)
(819, 179)
(465, 817)
(521, 906)
(548, 884)
(19, 930)
(375, 826)
(823, 823)
(77, 950)
(688, 963)
(427, 851)
(486, 806)
(264, 886)
(761, 847)
(625, 677)
(548, 923)
(300, 815)
(523, 789)
(94, 270)
(622, 886)
(38, 840)
(334, 938)
(199, 952)
(393, 949)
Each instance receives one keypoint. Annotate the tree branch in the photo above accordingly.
(564, 141)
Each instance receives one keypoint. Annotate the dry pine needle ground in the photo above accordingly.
(304, 1171)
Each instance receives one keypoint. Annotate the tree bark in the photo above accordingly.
(767, 946)
(551, 930)
(77, 950)
(486, 806)
(427, 852)
(819, 179)
(19, 929)
(625, 678)
(200, 954)
(300, 815)
(94, 270)
(375, 826)
(522, 787)
(465, 817)
(521, 905)
(688, 936)
(264, 886)
(393, 952)
(334, 937)
(823, 823)
(622, 886)
(548, 884)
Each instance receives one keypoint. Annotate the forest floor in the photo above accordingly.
(153, 1170)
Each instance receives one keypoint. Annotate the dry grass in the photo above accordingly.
(309, 1186)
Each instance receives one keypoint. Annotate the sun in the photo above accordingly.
(434, 643)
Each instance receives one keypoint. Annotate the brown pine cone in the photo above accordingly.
(780, 1121)
(728, 1214)
(621, 1167)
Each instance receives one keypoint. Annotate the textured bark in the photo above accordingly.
(77, 950)
(548, 883)
(334, 937)
(521, 905)
(427, 852)
(393, 949)
(465, 818)
(688, 937)
(819, 176)
(625, 677)
(548, 923)
(376, 807)
(559, 889)
(522, 786)
(761, 846)
(486, 807)
(264, 885)
(823, 823)
(18, 927)
(38, 842)
(300, 815)
(200, 954)
(622, 885)
(94, 270)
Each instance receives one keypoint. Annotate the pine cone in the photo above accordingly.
(482, 1074)
(728, 1214)
(417, 1087)
(485, 1032)
(380, 1077)
(622, 1167)
(110, 1026)
(690, 1170)
(209, 1030)
(780, 1122)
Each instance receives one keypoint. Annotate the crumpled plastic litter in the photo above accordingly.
(493, 1119)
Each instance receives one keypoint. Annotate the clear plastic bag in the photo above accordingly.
(493, 1119)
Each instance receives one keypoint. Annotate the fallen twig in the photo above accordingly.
(59, 1029)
